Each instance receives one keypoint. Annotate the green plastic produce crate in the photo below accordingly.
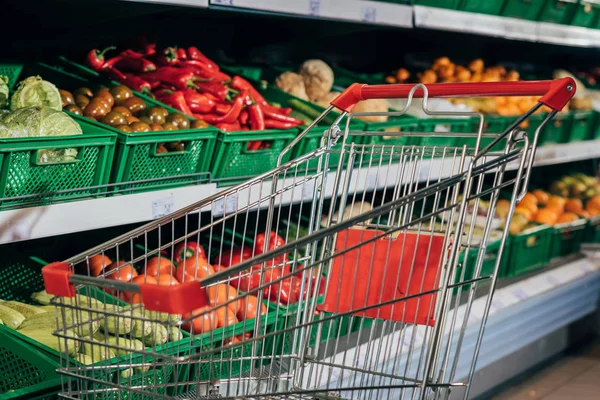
(567, 238)
(581, 125)
(492, 7)
(248, 71)
(592, 232)
(558, 11)
(451, 4)
(524, 9)
(586, 14)
(136, 156)
(557, 130)
(529, 250)
(345, 77)
(12, 71)
(234, 163)
(467, 261)
(24, 172)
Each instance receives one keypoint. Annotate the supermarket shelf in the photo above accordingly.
(186, 3)
(567, 293)
(369, 12)
(88, 214)
(508, 28)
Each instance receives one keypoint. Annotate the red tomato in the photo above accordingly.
(222, 293)
(249, 307)
(136, 298)
(167, 280)
(156, 265)
(234, 256)
(198, 270)
(124, 274)
(96, 264)
(225, 317)
(203, 321)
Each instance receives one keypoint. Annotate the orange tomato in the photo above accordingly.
(248, 308)
(573, 205)
(567, 217)
(198, 269)
(221, 294)
(167, 280)
(136, 298)
(122, 273)
(97, 263)
(158, 265)
(225, 317)
(541, 196)
(204, 320)
(546, 216)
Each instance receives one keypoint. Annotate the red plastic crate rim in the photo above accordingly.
(383, 270)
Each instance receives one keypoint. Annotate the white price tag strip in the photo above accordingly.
(222, 2)
(224, 206)
(314, 7)
(162, 207)
(308, 189)
(369, 14)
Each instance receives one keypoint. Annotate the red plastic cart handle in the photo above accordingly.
(555, 94)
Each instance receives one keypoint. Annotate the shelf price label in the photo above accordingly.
(222, 2)
(314, 7)
(368, 14)
(162, 207)
(224, 206)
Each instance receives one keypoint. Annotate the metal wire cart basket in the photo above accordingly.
(320, 286)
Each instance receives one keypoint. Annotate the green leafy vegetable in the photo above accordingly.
(34, 91)
(3, 90)
(40, 121)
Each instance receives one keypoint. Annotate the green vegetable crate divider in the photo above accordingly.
(492, 7)
(136, 156)
(234, 162)
(22, 173)
(524, 9)
(529, 250)
(586, 13)
(558, 11)
(582, 124)
(567, 238)
(468, 259)
(12, 71)
(592, 232)
(451, 4)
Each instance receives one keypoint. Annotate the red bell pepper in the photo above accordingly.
(232, 115)
(230, 127)
(214, 88)
(134, 82)
(204, 71)
(275, 241)
(257, 119)
(197, 102)
(194, 54)
(95, 58)
(271, 124)
(181, 78)
(233, 256)
(188, 250)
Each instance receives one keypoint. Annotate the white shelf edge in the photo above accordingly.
(186, 3)
(62, 218)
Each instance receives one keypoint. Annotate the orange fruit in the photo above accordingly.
(583, 214)
(573, 205)
(529, 197)
(526, 212)
(546, 216)
(594, 211)
(541, 196)
(531, 207)
(594, 202)
(557, 201)
(567, 217)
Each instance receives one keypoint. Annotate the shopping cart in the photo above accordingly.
(371, 298)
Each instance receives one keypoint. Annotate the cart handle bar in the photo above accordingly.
(555, 93)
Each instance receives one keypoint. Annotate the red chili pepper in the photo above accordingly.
(229, 127)
(203, 71)
(178, 102)
(232, 115)
(254, 145)
(280, 117)
(277, 110)
(198, 103)
(243, 118)
(271, 124)
(181, 78)
(240, 83)
(181, 54)
(130, 63)
(129, 80)
(188, 250)
(216, 89)
(222, 108)
(167, 57)
(257, 119)
(194, 54)
(95, 58)
(150, 49)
